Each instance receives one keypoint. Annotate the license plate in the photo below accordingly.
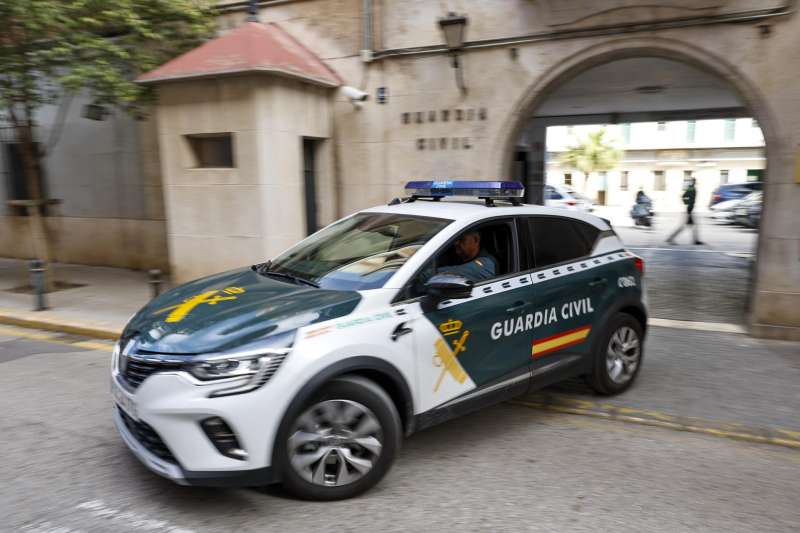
(124, 400)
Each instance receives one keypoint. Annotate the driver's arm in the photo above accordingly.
(478, 269)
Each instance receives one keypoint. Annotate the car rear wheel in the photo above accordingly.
(618, 355)
(340, 443)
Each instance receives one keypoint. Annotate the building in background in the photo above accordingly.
(249, 147)
(660, 156)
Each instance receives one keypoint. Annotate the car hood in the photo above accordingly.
(231, 309)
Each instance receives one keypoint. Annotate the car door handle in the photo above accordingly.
(518, 306)
(598, 282)
(400, 330)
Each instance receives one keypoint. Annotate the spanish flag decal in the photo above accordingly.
(561, 340)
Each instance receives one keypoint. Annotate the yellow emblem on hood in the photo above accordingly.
(179, 311)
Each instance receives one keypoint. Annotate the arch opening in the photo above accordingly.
(674, 118)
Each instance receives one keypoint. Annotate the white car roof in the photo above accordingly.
(468, 211)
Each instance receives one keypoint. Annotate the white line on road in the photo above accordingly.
(137, 521)
(701, 250)
(698, 326)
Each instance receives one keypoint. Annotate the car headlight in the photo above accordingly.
(254, 366)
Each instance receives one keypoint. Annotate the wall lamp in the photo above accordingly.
(453, 26)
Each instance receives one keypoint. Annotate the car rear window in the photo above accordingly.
(558, 240)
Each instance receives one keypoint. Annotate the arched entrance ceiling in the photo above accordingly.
(639, 84)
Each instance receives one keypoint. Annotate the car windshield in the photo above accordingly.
(357, 253)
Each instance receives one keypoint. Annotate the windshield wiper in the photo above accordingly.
(263, 269)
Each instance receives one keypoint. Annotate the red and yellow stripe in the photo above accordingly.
(561, 340)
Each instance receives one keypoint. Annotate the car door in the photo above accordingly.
(470, 345)
(571, 290)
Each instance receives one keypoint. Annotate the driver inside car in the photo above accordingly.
(476, 264)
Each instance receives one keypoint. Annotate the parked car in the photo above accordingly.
(734, 191)
(566, 197)
(748, 212)
(724, 211)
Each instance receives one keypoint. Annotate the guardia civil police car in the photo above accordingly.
(309, 368)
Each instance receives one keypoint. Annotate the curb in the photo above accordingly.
(729, 430)
(61, 327)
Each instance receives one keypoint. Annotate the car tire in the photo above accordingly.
(618, 355)
(341, 442)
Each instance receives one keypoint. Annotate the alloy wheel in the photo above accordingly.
(335, 442)
(623, 355)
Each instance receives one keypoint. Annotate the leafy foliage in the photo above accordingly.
(51, 46)
(592, 154)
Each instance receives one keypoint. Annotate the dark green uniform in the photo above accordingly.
(484, 266)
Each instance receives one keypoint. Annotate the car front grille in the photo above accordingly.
(147, 437)
(137, 370)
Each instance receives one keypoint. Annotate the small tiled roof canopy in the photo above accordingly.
(251, 48)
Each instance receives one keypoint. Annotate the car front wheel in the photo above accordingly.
(340, 443)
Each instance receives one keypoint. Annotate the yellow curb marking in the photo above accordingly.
(691, 428)
(53, 338)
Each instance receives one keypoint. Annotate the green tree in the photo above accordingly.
(592, 154)
(52, 48)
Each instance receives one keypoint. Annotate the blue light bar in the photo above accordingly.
(480, 189)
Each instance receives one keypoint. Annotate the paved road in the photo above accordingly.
(507, 468)
(708, 283)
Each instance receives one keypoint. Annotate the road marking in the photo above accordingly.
(99, 509)
(699, 250)
(698, 326)
(728, 430)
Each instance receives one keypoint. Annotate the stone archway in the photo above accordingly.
(624, 48)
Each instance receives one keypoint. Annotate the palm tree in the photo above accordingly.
(592, 154)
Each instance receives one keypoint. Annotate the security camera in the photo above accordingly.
(354, 94)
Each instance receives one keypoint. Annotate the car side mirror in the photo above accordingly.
(442, 287)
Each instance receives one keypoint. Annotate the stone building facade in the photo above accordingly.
(418, 123)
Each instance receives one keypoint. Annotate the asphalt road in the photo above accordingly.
(507, 468)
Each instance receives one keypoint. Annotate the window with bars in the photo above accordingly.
(568, 179)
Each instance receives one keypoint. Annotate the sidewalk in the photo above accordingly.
(99, 308)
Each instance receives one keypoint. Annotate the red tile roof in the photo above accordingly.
(250, 48)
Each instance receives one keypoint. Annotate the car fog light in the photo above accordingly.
(223, 438)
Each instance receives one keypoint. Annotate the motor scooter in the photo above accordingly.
(642, 212)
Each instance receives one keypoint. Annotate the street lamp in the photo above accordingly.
(453, 27)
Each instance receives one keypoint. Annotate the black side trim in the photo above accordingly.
(475, 400)
(235, 478)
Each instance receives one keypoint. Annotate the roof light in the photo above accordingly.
(480, 189)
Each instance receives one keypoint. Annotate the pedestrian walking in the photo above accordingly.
(689, 197)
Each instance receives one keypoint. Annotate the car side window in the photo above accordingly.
(551, 194)
(557, 240)
(497, 257)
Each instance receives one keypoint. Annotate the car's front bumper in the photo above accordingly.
(174, 472)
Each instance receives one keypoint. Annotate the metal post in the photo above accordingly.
(154, 281)
(38, 269)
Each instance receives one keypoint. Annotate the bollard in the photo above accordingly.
(154, 281)
(37, 282)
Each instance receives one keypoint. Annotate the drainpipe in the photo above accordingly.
(367, 30)
(758, 15)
